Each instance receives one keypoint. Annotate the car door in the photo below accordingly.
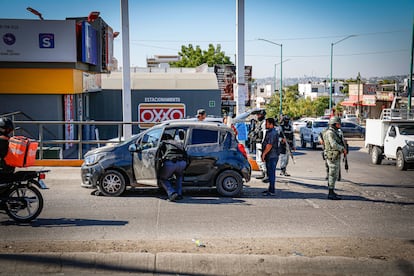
(144, 157)
(203, 148)
(391, 142)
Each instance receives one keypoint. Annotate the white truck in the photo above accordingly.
(391, 137)
(310, 132)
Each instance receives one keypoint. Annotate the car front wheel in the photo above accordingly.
(229, 183)
(302, 142)
(112, 183)
(401, 164)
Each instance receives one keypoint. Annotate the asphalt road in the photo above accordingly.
(378, 202)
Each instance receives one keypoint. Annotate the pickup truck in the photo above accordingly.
(310, 132)
(391, 137)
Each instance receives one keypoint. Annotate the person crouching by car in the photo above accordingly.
(174, 161)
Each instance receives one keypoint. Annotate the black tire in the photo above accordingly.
(229, 183)
(401, 164)
(27, 209)
(376, 155)
(112, 183)
(312, 143)
(302, 142)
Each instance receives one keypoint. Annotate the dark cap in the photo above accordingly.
(201, 112)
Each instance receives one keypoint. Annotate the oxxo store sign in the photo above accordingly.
(152, 113)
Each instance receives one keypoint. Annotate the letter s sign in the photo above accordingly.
(46, 41)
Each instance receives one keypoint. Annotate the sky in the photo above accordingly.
(380, 45)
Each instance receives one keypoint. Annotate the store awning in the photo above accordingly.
(349, 103)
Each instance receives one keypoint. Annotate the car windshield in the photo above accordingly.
(320, 124)
(406, 129)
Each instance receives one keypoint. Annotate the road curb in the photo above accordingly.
(197, 264)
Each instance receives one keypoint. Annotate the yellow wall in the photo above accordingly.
(40, 81)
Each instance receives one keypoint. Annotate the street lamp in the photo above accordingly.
(281, 70)
(35, 12)
(330, 90)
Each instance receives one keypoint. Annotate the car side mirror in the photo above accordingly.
(132, 148)
(392, 134)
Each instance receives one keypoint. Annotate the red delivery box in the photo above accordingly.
(22, 152)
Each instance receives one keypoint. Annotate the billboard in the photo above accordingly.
(37, 40)
(89, 44)
(226, 78)
(152, 113)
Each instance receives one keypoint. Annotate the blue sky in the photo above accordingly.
(306, 28)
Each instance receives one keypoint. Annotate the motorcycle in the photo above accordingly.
(20, 196)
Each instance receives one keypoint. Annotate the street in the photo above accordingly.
(374, 219)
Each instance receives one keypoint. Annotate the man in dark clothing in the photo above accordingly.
(270, 154)
(174, 161)
(6, 127)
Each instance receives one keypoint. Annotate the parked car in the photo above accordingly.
(350, 118)
(298, 124)
(350, 129)
(310, 133)
(216, 160)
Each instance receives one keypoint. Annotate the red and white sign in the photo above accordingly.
(152, 113)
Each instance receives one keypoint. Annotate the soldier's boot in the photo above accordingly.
(261, 176)
(333, 196)
(284, 172)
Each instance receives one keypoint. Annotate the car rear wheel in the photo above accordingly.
(401, 164)
(112, 183)
(229, 183)
(376, 155)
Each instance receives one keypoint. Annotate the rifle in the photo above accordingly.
(287, 145)
(345, 159)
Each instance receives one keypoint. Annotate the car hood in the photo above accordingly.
(242, 117)
(108, 148)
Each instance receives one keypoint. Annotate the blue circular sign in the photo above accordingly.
(9, 38)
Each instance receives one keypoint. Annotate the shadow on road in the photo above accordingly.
(67, 222)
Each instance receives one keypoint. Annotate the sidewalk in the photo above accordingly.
(195, 264)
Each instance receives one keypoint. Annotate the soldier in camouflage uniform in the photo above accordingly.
(333, 147)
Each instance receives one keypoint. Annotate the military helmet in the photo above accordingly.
(334, 120)
(261, 112)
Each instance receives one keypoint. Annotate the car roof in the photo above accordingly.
(190, 123)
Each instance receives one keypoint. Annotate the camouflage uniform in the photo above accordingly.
(333, 148)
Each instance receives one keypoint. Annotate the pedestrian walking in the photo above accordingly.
(334, 147)
(270, 154)
(173, 158)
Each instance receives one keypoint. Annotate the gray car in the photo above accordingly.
(216, 159)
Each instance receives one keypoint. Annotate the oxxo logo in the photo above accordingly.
(150, 114)
(46, 41)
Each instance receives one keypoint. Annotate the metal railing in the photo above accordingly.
(397, 114)
(80, 141)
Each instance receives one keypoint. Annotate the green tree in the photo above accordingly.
(193, 57)
(296, 106)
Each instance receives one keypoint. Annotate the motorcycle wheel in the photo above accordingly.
(24, 204)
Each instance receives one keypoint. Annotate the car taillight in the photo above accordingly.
(42, 176)
(242, 149)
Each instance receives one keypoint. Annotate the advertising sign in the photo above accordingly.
(37, 40)
(152, 113)
(89, 44)
(226, 78)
